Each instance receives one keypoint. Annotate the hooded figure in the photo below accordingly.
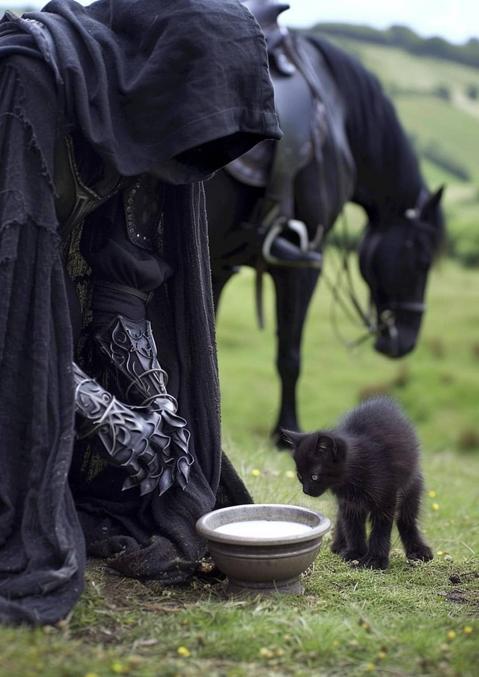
(110, 117)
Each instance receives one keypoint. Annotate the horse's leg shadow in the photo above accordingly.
(294, 290)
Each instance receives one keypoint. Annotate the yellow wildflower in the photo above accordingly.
(118, 668)
(432, 493)
(468, 630)
(256, 472)
(290, 474)
(435, 506)
(451, 635)
(382, 655)
(264, 652)
(183, 651)
(370, 667)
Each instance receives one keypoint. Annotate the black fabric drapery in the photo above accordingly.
(173, 87)
(200, 65)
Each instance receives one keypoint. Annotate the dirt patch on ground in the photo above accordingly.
(465, 590)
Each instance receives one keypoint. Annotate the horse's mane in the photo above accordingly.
(386, 163)
(378, 142)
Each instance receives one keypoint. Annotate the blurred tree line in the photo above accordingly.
(405, 38)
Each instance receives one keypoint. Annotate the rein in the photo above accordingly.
(346, 297)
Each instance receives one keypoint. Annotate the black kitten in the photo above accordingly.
(370, 461)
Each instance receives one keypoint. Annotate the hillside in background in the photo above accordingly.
(438, 102)
(408, 40)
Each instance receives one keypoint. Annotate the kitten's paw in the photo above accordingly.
(420, 552)
(338, 547)
(352, 555)
(374, 562)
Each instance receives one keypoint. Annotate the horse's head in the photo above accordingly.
(395, 259)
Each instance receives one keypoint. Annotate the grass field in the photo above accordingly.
(406, 621)
(398, 68)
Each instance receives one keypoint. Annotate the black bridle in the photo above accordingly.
(382, 321)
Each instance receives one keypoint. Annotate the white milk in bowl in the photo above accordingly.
(264, 529)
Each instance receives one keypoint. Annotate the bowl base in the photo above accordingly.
(291, 586)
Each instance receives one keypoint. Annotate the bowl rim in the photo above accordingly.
(212, 535)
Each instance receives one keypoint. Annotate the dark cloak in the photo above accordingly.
(143, 82)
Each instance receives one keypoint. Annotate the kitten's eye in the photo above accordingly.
(315, 478)
(299, 476)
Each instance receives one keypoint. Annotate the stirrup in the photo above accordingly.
(287, 254)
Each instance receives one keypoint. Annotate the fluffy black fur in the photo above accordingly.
(370, 461)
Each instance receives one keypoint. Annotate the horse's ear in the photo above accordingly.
(291, 437)
(431, 205)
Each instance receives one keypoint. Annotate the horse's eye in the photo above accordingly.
(315, 478)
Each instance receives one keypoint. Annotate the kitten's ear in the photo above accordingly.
(291, 436)
(340, 450)
(332, 445)
(324, 443)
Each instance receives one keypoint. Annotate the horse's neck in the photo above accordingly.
(387, 195)
(388, 177)
(389, 180)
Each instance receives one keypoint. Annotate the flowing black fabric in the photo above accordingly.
(200, 65)
(172, 86)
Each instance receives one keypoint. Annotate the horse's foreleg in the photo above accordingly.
(294, 290)
(219, 278)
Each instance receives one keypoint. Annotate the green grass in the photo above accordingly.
(407, 71)
(434, 121)
(349, 622)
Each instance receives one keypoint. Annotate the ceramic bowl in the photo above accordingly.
(259, 563)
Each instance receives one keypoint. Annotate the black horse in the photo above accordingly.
(365, 157)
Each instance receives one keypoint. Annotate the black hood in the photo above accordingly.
(200, 65)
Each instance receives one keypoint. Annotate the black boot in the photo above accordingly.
(279, 251)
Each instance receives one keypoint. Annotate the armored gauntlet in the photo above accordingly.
(133, 438)
(136, 377)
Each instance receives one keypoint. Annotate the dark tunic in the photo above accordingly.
(178, 87)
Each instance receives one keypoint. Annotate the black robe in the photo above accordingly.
(179, 87)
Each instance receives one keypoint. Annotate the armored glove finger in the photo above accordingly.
(135, 439)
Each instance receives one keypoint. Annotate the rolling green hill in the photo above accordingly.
(435, 99)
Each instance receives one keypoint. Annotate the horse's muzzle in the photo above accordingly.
(397, 343)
